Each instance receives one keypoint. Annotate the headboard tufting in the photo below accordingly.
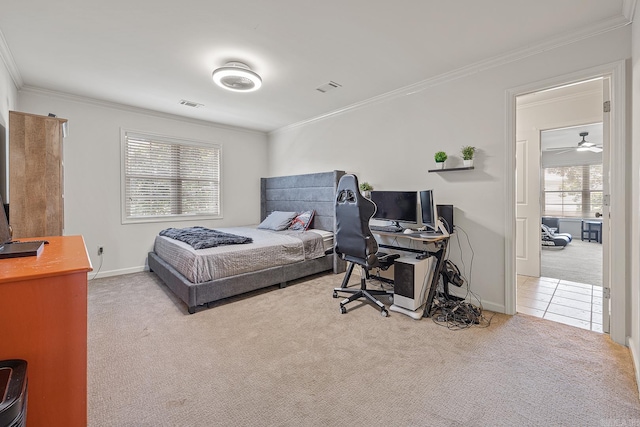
(298, 193)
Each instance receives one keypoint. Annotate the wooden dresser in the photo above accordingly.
(43, 320)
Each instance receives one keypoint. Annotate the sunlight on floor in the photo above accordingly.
(562, 301)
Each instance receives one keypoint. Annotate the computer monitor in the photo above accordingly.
(429, 210)
(396, 206)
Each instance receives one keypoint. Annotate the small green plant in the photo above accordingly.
(365, 186)
(440, 156)
(467, 152)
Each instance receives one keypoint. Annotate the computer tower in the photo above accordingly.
(412, 279)
(446, 212)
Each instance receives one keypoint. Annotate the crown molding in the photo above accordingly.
(7, 58)
(132, 109)
(597, 28)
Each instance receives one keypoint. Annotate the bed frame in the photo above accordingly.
(286, 193)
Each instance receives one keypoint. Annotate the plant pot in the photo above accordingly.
(440, 165)
(366, 194)
(468, 163)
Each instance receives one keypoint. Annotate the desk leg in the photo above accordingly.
(434, 282)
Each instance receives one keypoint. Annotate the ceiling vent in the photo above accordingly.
(190, 103)
(328, 86)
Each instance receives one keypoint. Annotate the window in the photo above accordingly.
(572, 191)
(165, 178)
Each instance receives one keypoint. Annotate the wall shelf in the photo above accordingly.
(452, 169)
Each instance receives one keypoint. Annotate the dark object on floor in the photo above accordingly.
(551, 238)
(13, 393)
(356, 244)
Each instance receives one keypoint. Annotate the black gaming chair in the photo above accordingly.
(355, 243)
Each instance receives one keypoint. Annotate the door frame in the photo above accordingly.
(619, 228)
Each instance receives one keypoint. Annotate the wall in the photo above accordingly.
(8, 101)
(92, 174)
(390, 143)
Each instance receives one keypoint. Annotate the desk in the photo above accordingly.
(440, 242)
(43, 313)
(593, 230)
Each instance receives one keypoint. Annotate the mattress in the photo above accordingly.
(327, 239)
(269, 249)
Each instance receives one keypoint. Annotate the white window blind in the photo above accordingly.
(572, 191)
(164, 178)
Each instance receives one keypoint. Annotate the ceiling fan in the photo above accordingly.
(583, 145)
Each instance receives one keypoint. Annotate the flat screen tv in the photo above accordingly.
(396, 206)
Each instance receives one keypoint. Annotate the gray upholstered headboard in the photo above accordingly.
(298, 193)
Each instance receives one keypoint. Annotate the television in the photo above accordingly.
(429, 210)
(396, 206)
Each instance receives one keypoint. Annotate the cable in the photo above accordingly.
(99, 267)
(456, 314)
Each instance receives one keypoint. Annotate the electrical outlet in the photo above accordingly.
(100, 250)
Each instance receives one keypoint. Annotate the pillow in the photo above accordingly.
(302, 221)
(277, 220)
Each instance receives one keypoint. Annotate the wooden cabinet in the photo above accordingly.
(36, 184)
(43, 318)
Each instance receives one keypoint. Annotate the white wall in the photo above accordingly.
(92, 174)
(390, 143)
(8, 101)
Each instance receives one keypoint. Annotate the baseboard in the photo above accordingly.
(110, 273)
(636, 362)
(486, 305)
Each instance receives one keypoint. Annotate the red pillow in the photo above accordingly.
(302, 221)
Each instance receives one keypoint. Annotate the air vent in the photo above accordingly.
(328, 86)
(190, 103)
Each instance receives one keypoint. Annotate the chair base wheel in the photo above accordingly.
(343, 309)
(384, 312)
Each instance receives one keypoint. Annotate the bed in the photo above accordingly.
(294, 193)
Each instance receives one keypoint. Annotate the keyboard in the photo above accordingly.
(386, 228)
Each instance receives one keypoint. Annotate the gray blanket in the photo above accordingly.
(202, 238)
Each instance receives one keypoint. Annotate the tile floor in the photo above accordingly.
(571, 303)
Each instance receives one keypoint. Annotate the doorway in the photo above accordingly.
(559, 273)
(614, 225)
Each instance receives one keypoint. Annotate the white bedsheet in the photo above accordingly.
(269, 249)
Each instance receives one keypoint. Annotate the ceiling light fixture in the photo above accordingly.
(237, 76)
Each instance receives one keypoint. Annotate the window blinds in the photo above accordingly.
(169, 178)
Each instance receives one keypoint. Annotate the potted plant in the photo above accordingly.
(440, 158)
(365, 189)
(467, 155)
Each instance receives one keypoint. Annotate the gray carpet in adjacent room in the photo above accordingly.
(287, 357)
(579, 261)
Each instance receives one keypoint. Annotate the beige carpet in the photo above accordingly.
(287, 357)
(579, 261)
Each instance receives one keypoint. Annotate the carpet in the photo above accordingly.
(287, 357)
(579, 261)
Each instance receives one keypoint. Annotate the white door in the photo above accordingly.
(528, 203)
(606, 214)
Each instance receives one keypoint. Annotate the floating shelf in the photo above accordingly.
(452, 169)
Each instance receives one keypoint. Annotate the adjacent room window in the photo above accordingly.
(572, 191)
(167, 179)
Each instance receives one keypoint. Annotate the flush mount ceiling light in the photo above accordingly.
(237, 76)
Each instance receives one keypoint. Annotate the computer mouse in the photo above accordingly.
(407, 231)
